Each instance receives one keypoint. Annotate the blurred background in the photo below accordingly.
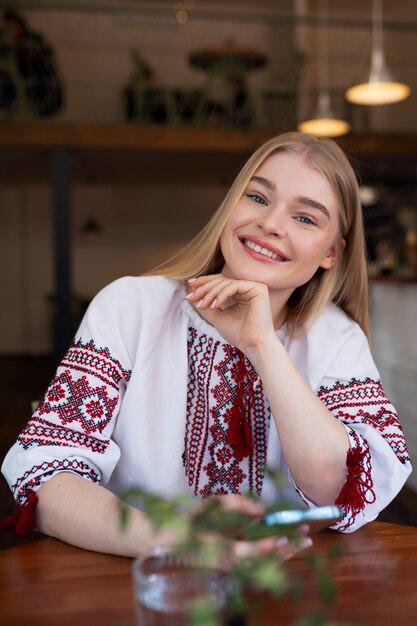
(122, 124)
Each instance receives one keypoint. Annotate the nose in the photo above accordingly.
(272, 222)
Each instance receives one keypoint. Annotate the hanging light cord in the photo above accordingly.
(377, 38)
(323, 46)
(377, 21)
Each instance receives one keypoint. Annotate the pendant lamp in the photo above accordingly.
(324, 122)
(381, 88)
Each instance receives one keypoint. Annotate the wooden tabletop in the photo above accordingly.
(50, 583)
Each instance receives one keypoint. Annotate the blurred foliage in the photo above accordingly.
(209, 523)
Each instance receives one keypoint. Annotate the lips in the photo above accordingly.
(264, 249)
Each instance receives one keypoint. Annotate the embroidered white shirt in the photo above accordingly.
(121, 405)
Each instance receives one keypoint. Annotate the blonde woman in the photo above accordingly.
(250, 347)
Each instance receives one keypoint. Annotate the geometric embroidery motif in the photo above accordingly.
(85, 357)
(37, 474)
(40, 432)
(364, 401)
(80, 400)
(85, 388)
(77, 401)
(209, 461)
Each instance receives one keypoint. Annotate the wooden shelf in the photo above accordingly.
(130, 137)
(391, 279)
(380, 145)
(160, 138)
(129, 153)
(125, 153)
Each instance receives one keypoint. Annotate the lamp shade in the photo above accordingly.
(380, 88)
(323, 122)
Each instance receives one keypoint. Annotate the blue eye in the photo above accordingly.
(256, 198)
(304, 219)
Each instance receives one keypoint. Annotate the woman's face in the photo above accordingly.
(284, 227)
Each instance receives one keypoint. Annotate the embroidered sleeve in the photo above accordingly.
(71, 429)
(377, 463)
(335, 358)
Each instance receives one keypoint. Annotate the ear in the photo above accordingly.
(332, 255)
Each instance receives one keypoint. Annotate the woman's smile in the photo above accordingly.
(261, 250)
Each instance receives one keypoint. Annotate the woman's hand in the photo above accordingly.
(282, 546)
(240, 310)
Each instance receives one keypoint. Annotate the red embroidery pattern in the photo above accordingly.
(40, 432)
(85, 357)
(74, 399)
(83, 394)
(37, 474)
(211, 465)
(365, 402)
(74, 396)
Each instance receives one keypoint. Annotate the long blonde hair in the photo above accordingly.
(346, 283)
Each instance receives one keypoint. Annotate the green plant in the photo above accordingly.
(210, 523)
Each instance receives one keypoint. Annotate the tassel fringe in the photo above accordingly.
(22, 521)
(352, 496)
(239, 432)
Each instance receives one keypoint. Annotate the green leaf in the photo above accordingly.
(203, 613)
(317, 618)
(236, 604)
(326, 586)
(268, 574)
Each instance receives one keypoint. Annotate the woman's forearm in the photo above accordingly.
(313, 441)
(87, 515)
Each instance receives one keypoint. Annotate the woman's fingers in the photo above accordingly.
(282, 546)
(203, 292)
(242, 504)
(213, 291)
(216, 294)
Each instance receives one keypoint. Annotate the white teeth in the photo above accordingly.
(264, 251)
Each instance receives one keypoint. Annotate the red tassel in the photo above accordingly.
(239, 431)
(233, 432)
(246, 446)
(239, 435)
(352, 495)
(22, 521)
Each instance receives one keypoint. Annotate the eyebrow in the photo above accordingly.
(301, 199)
(265, 182)
(314, 205)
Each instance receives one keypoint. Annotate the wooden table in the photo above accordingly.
(50, 583)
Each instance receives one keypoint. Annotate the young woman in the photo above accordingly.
(248, 348)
